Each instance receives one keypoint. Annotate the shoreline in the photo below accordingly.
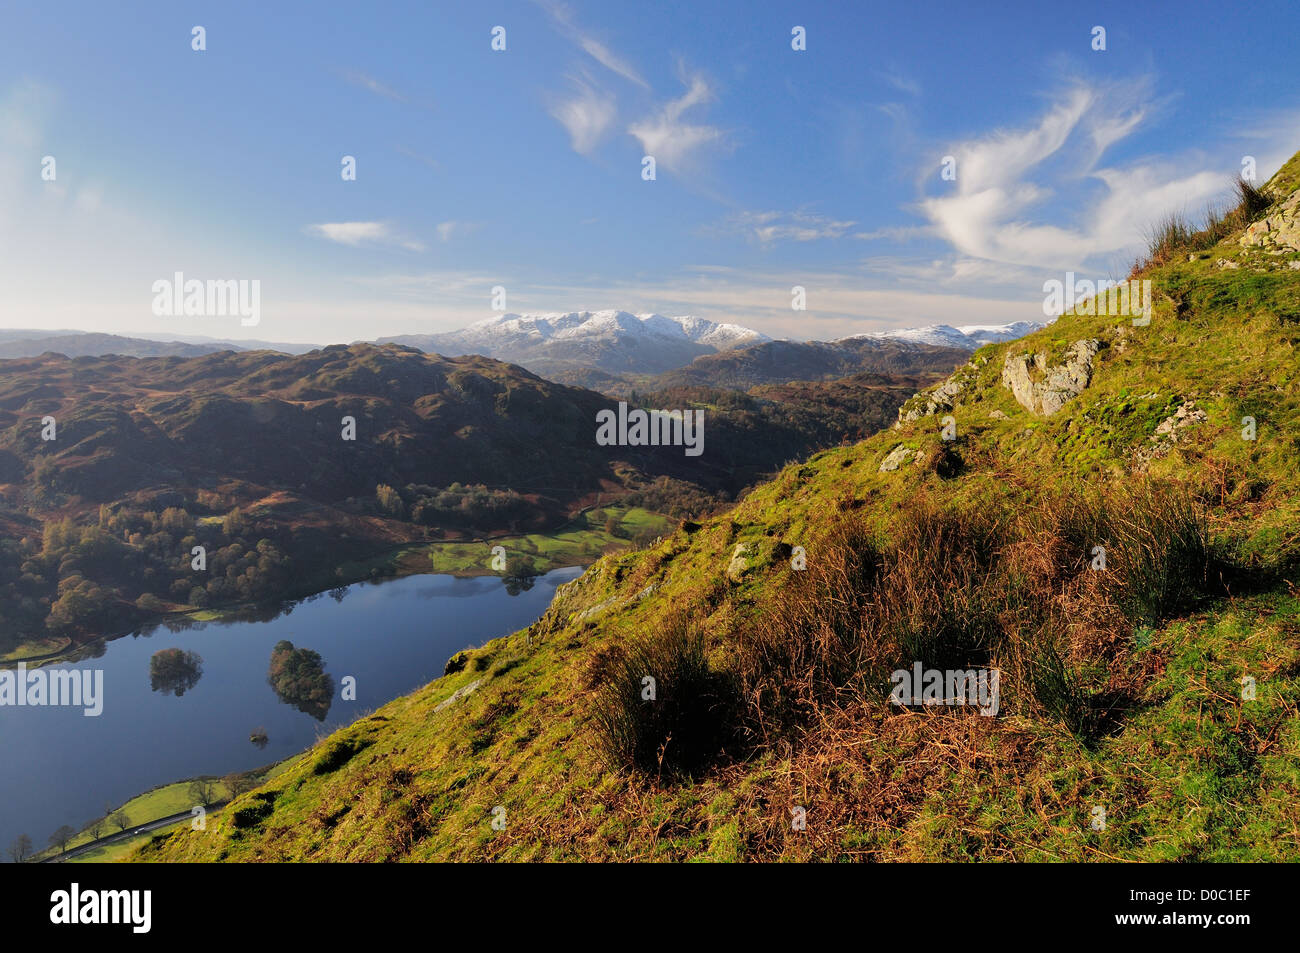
(392, 558)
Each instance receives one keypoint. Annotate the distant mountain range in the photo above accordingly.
(610, 351)
(782, 362)
(613, 341)
(82, 344)
(968, 337)
(33, 342)
(615, 352)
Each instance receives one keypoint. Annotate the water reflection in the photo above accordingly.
(299, 679)
(174, 671)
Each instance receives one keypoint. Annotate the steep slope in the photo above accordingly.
(1148, 704)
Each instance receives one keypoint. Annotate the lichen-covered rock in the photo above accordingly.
(1279, 231)
(739, 562)
(1058, 385)
(458, 694)
(1170, 431)
(896, 458)
(940, 399)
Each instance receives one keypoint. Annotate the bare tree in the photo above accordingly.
(237, 783)
(96, 827)
(203, 790)
(20, 849)
(120, 820)
(61, 837)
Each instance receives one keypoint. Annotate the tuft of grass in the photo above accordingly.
(1251, 201)
(661, 707)
(1173, 237)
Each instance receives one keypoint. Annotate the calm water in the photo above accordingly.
(59, 767)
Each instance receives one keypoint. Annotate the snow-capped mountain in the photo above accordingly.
(968, 337)
(614, 341)
(618, 342)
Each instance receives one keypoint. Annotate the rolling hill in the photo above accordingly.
(293, 471)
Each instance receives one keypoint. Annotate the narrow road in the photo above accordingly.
(132, 831)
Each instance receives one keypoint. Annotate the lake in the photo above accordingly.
(61, 767)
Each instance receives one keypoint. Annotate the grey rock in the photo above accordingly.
(941, 399)
(736, 568)
(1279, 231)
(458, 694)
(896, 458)
(1170, 431)
(1059, 384)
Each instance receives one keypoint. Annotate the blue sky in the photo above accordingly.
(522, 168)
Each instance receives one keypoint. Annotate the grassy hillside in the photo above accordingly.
(1122, 689)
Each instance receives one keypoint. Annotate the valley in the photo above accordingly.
(137, 488)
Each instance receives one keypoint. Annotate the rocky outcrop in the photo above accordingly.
(739, 562)
(1279, 231)
(896, 458)
(1043, 389)
(1170, 431)
(940, 399)
(458, 694)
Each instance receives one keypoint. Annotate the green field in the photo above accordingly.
(35, 649)
(582, 543)
(162, 801)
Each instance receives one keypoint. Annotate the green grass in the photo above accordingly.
(162, 801)
(579, 543)
(575, 546)
(35, 649)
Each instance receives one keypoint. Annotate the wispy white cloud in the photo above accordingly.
(448, 230)
(603, 55)
(769, 227)
(564, 18)
(367, 82)
(904, 84)
(668, 137)
(587, 116)
(362, 233)
(420, 157)
(895, 233)
(1003, 176)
